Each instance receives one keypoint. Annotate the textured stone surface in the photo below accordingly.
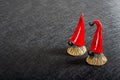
(34, 34)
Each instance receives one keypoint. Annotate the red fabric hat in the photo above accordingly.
(78, 35)
(96, 45)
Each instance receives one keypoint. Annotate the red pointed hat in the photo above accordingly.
(96, 45)
(78, 36)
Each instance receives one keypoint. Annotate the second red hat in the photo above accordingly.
(97, 41)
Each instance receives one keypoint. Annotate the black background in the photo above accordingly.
(34, 35)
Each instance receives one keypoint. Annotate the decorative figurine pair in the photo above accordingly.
(77, 43)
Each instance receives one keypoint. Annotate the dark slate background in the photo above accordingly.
(34, 34)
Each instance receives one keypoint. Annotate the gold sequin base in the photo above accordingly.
(97, 60)
(76, 50)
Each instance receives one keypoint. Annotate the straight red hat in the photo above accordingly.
(78, 36)
(97, 41)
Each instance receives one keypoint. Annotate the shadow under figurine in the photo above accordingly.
(76, 41)
(95, 53)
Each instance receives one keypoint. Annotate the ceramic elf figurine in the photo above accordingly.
(76, 41)
(95, 53)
